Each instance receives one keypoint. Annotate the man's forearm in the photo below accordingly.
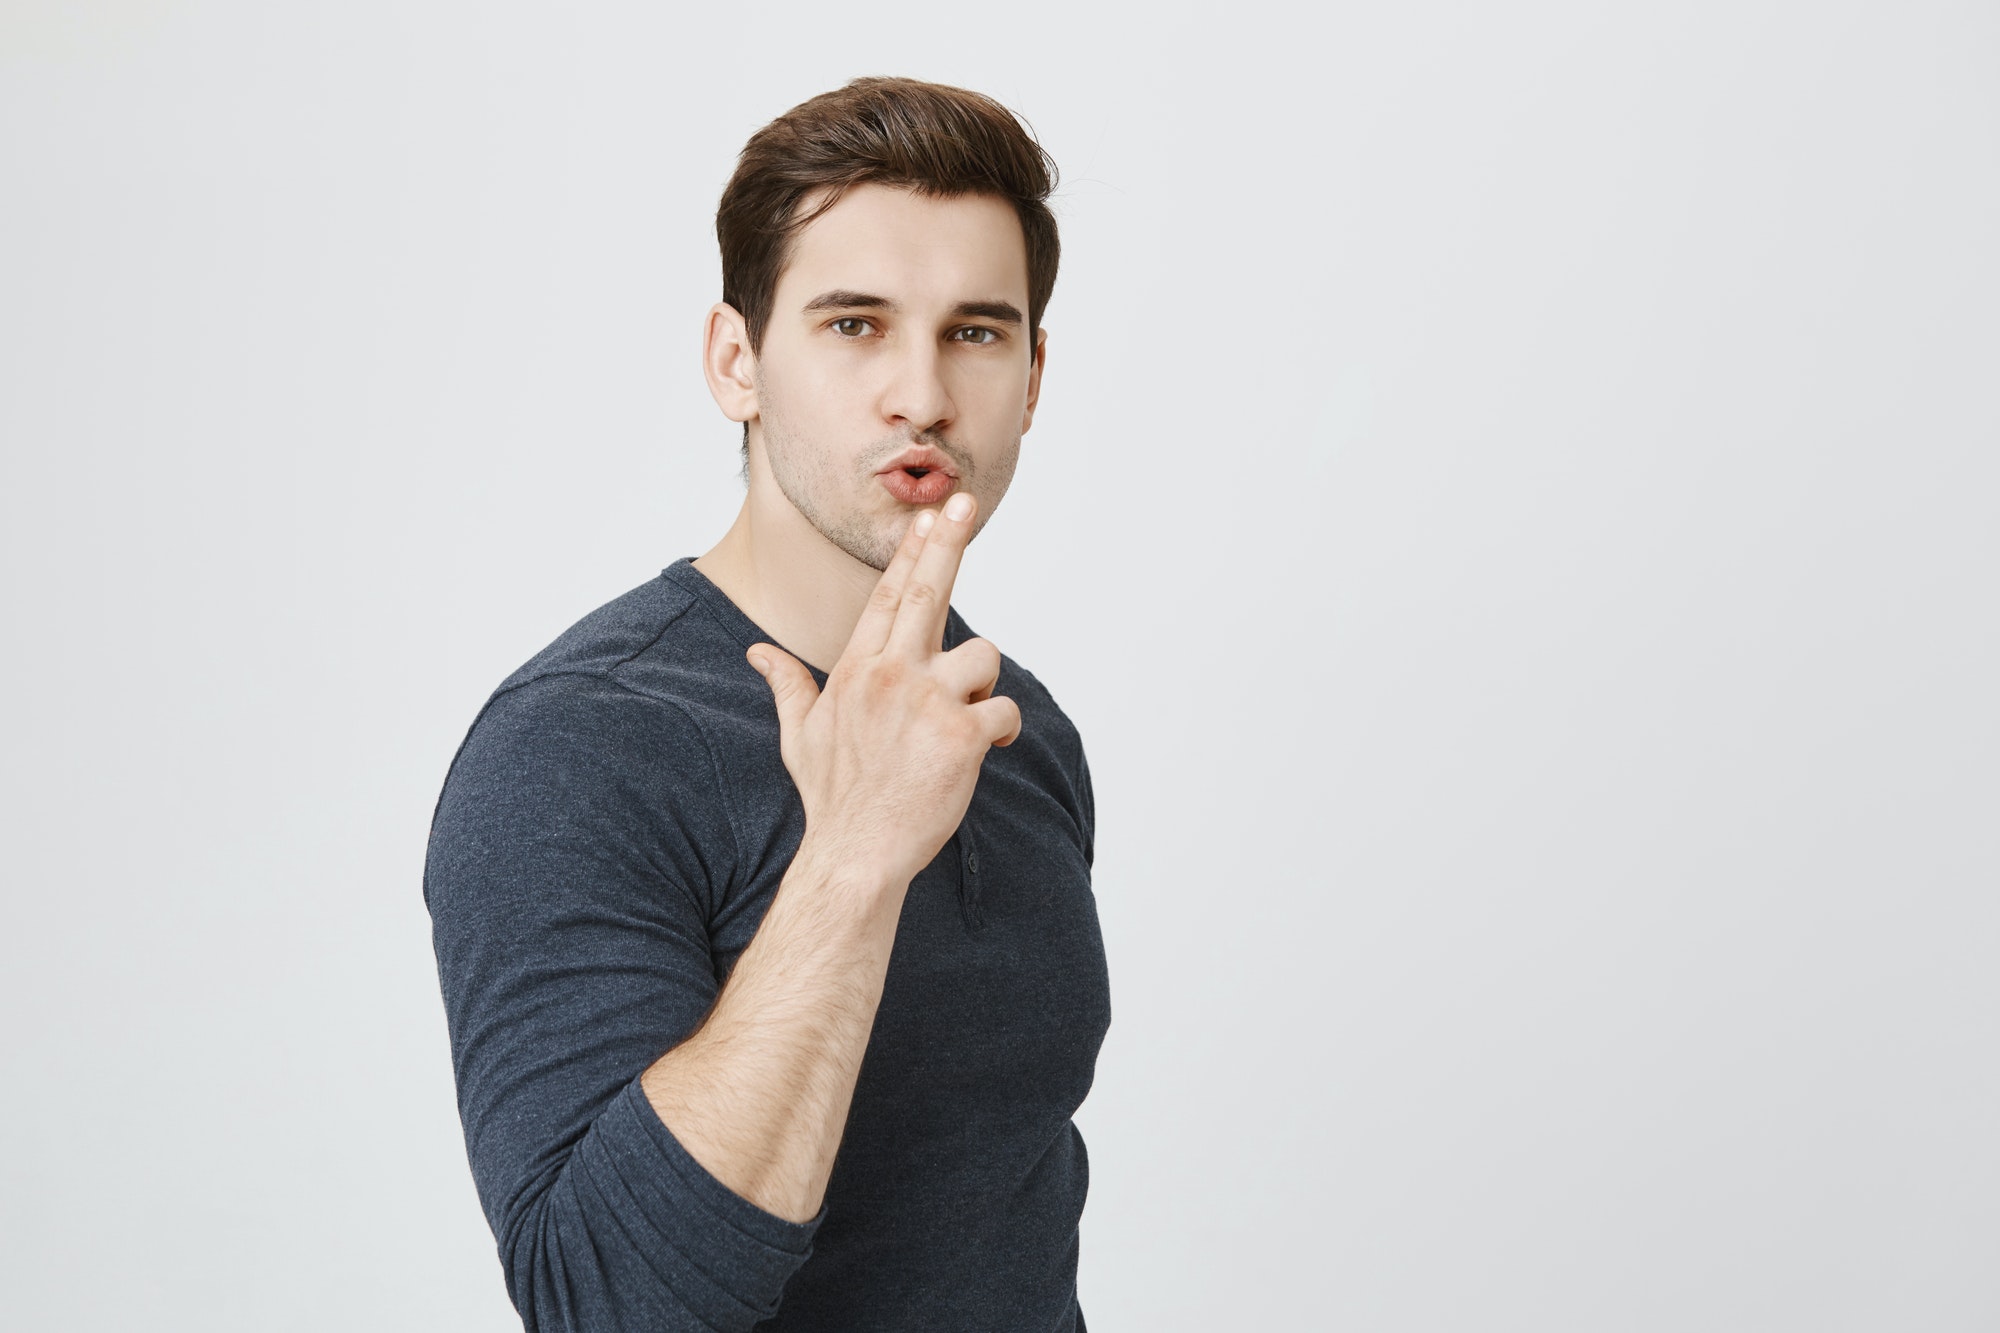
(759, 1094)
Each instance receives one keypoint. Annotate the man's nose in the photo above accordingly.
(917, 392)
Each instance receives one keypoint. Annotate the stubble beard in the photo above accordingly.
(811, 479)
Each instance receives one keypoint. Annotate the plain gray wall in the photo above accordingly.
(1513, 513)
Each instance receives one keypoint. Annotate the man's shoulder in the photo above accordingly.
(626, 700)
(615, 634)
(656, 640)
(645, 662)
(604, 738)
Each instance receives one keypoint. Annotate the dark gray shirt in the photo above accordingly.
(609, 836)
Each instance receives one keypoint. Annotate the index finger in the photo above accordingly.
(926, 597)
(871, 632)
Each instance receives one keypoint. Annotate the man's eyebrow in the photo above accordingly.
(1003, 312)
(843, 299)
(1000, 312)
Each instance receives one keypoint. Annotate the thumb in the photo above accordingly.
(791, 684)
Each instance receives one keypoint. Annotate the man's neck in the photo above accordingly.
(796, 585)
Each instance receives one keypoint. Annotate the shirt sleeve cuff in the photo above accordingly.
(747, 1252)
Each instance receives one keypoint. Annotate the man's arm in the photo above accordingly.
(759, 1094)
(574, 862)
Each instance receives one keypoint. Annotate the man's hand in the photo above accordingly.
(886, 757)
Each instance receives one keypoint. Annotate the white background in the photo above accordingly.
(1512, 512)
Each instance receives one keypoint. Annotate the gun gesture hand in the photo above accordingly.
(887, 755)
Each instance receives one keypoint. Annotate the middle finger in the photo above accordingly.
(920, 618)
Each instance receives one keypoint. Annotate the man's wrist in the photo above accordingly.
(831, 865)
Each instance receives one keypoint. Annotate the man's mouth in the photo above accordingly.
(919, 461)
(919, 485)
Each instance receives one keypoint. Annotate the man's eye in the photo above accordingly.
(849, 319)
(992, 336)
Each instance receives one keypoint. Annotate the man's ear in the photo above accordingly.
(728, 363)
(1035, 377)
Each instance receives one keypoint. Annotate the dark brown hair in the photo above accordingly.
(939, 140)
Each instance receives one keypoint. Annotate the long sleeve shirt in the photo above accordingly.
(609, 835)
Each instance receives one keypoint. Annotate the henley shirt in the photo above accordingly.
(609, 835)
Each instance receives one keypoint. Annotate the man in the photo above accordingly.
(771, 997)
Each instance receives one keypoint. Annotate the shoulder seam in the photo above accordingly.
(714, 616)
(667, 625)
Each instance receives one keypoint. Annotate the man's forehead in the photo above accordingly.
(908, 248)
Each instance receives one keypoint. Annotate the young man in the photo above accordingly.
(771, 997)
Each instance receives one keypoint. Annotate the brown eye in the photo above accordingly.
(991, 336)
(848, 319)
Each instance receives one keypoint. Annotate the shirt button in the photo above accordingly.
(972, 862)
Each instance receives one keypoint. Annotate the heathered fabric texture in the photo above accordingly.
(607, 841)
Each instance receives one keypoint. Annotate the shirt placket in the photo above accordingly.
(969, 879)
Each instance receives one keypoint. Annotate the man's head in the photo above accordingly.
(887, 253)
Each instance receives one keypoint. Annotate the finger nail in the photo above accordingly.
(924, 521)
(958, 506)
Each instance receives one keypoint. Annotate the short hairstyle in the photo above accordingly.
(939, 140)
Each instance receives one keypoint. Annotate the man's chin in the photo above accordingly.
(874, 548)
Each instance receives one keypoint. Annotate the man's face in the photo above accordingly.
(891, 328)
